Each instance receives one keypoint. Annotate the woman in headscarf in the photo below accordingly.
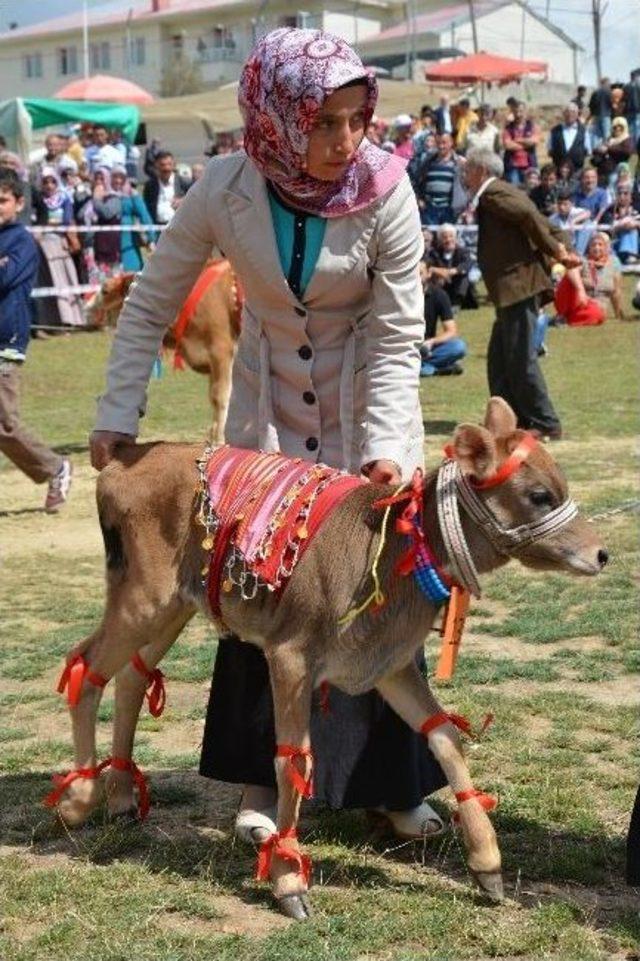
(585, 293)
(323, 230)
(617, 149)
(53, 208)
(132, 210)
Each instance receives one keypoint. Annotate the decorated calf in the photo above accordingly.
(280, 552)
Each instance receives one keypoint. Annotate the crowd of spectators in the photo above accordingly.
(579, 175)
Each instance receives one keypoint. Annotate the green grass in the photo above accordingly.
(554, 658)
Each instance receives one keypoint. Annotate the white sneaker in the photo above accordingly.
(254, 827)
(417, 824)
(58, 489)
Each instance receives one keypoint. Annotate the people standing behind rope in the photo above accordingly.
(600, 110)
(448, 265)
(616, 149)
(590, 196)
(102, 153)
(132, 210)
(437, 180)
(516, 246)
(520, 139)
(483, 132)
(53, 208)
(570, 139)
(18, 268)
(442, 352)
(164, 191)
(624, 218)
(632, 106)
(568, 218)
(115, 203)
(464, 118)
(545, 195)
(442, 116)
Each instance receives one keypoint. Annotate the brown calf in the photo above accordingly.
(148, 514)
(208, 341)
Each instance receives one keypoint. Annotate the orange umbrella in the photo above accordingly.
(104, 88)
(483, 68)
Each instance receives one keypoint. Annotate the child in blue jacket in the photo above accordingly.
(18, 267)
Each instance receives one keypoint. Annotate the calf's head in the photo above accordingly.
(521, 487)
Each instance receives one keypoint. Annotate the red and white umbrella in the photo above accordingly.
(104, 88)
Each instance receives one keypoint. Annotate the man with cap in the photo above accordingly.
(403, 126)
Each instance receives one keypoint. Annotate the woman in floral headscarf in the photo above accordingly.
(323, 230)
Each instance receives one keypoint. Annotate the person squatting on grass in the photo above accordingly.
(18, 268)
(323, 230)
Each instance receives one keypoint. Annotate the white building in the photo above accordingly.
(504, 27)
(36, 61)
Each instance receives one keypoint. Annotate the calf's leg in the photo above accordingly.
(411, 698)
(291, 685)
(130, 687)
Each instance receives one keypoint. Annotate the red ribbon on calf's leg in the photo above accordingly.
(73, 675)
(155, 693)
(302, 786)
(273, 847)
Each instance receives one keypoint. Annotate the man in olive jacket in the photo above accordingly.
(516, 245)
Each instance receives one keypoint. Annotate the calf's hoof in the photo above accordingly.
(127, 816)
(490, 883)
(295, 906)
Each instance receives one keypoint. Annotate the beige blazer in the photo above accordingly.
(332, 377)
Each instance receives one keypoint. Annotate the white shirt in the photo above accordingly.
(166, 193)
(480, 191)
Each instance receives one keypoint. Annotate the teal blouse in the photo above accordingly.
(299, 237)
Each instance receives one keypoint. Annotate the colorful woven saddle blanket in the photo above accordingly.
(261, 512)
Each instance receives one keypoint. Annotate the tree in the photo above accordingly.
(180, 76)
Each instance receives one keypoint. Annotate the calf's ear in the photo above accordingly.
(475, 450)
(499, 418)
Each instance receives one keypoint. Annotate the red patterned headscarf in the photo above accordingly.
(283, 87)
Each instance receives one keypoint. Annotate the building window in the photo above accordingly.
(137, 52)
(100, 56)
(67, 60)
(177, 43)
(32, 65)
(301, 19)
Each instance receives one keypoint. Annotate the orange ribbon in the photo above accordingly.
(486, 801)
(155, 693)
(462, 723)
(272, 847)
(140, 781)
(62, 782)
(405, 524)
(74, 673)
(302, 786)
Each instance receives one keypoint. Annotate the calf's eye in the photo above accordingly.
(541, 498)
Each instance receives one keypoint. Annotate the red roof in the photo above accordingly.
(483, 67)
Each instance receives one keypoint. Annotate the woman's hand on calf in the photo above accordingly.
(102, 446)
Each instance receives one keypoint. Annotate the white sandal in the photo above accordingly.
(420, 823)
(254, 827)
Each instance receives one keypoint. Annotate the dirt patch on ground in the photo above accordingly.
(620, 692)
(236, 917)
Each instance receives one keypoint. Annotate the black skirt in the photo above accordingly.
(364, 754)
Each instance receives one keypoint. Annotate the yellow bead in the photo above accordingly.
(227, 586)
(207, 543)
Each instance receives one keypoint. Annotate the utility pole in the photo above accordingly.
(85, 39)
(127, 41)
(598, 8)
(474, 25)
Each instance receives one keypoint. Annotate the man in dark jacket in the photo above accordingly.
(164, 191)
(570, 139)
(516, 246)
(18, 268)
(600, 109)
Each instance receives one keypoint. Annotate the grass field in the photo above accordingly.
(555, 658)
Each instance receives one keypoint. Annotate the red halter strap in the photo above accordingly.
(155, 693)
(74, 673)
(462, 723)
(140, 781)
(62, 782)
(273, 847)
(486, 801)
(508, 467)
(302, 786)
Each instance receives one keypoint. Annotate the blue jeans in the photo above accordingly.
(540, 331)
(436, 215)
(442, 357)
(515, 176)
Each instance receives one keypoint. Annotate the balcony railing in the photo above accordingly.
(219, 54)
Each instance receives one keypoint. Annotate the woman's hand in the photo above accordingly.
(383, 472)
(102, 445)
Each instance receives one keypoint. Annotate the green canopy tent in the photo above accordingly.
(19, 117)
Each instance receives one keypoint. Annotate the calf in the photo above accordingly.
(205, 337)
(514, 502)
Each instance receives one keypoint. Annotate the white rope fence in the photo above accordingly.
(87, 229)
